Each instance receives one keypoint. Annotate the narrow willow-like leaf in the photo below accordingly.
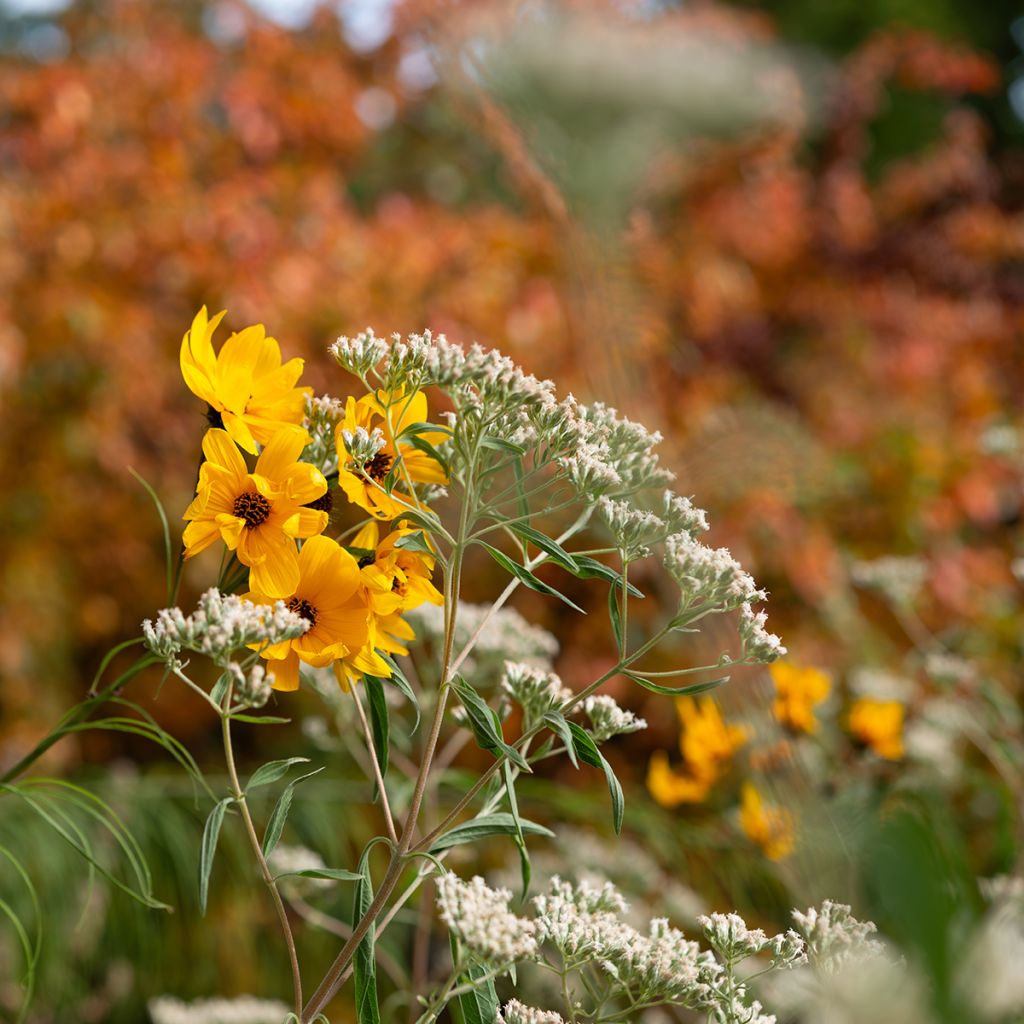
(481, 722)
(589, 568)
(208, 847)
(526, 577)
(260, 719)
(550, 547)
(423, 445)
(334, 874)
(416, 541)
(556, 721)
(425, 428)
(676, 691)
(499, 824)
(365, 962)
(615, 616)
(379, 721)
(272, 771)
(480, 1004)
(499, 444)
(278, 817)
(587, 750)
(397, 679)
(525, 869)
(166, 528)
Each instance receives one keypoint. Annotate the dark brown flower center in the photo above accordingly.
(253, 508)
(399, 587)
(325, 503)
(302, 607)
(379, 466)
(367, 560)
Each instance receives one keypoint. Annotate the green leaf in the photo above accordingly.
(556, 721)
(430, 451)
(414, 542)
(334, 874)
(425, 428)
(166, 528)
(272, 771)
(260, 719)
(480, 1004)
(587, 750)
(365, 961)
(499, 444)
(488, 736)
(675, 691)
(425, 520)
(550, 547)
(526, 577)
(397, 678)
(379, 721)
(589, 568)
(615, 616)
(208, 847)
(499, 824)
(275, 826)
(513, 805)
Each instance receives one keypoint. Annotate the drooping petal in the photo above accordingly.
(239, 431)
(305, 522)
(220, 450)
(198, 363)
(273, 561)
(304, 483)
(232, 529)
(368, 536)
(282, 452)
(237, 362)
(285, 672)
(329, 574)
(199, 535)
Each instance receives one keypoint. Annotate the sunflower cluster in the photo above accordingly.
(272, 510)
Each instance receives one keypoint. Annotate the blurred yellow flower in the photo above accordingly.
(671, 788)
(772, 828)
(392, 413)
(797, 691)
(245, 384)
(329, 596)
(259, 514)
(707, 743)
(396, 579)
(879, 725)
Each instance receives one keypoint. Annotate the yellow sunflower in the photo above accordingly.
(329, 596)
(245, 384)
(259, 514)
(878, 724)
(797, 691)
(396, 579)
(392, 412)
(771, 827)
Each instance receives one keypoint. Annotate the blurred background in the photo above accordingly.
(788, 234)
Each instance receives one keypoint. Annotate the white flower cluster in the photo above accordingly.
(286, 860)
(729, 936)
(363, 445)
(533, 689)
(323, 414)
(516, 1012)
(634, 529)
(505, 636)
(599, 451)
(221, 624)
(898, 578)
(681, 515)
(758, 644)
(483, 922)
(252, 688)
(582, 922)
(990, 977)
(709, 576)
(607, 719)
(835, 937)
(243, 1010)
(359, 355)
